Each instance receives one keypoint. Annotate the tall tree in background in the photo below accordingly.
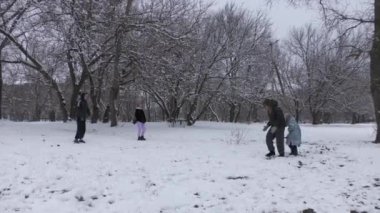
(375, 68)
(365, 19)
(190, 62)
(120, 28)
(31, 30)
(8, 20)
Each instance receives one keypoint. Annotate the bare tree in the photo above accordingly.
(8, 21)
(28, 59)
(320, 70)
(351, 21)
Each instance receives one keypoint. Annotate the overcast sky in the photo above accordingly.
(282, 16)
(285, 17)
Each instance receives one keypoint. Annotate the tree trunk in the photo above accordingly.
(52, 116)
(73, 101)
(354, 119)
(113, 111)
(95, 114)
(189, 116)
(94, 100)
(114, 91)
(174, 109)
(297, 110)
(214, 113)
(375, 69)
(232, 113)
(115, 87)
(277, 70)
(95, 107)
(61, 98)
(37, 113)
(327, 117)
(76, 86)
(1, 87)
(316, 118)
(249, 116)
(237, 115)
(62, 103)
(252, 114)
(255, 113)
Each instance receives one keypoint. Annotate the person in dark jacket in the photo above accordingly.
(276, 126)
(140, 120)
(82, 112)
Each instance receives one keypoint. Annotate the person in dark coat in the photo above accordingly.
(276, 126)
(140, 120)
(82, 112)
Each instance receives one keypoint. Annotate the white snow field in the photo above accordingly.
(211, 167)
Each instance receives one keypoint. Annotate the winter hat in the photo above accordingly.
(288, 117)
(270, 102)
(267, 102)
(274, 103)
(82, 95)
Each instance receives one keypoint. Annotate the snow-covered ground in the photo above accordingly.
(210, 167)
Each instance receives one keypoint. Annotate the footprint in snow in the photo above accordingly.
(300, 164)
(237, 177)
(377, 182)
(79, 198)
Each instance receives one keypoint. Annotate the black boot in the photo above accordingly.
(143, 138)
(139, 138)
(293, 150)
(270, 154)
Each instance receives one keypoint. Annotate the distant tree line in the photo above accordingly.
(184, 58)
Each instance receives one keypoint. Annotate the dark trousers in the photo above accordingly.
(81, 129)
(279, 136)
(293, 149)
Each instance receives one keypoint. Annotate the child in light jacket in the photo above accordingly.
(293, 139)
